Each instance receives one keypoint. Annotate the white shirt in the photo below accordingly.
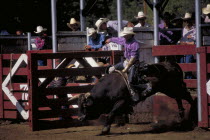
(139, 25)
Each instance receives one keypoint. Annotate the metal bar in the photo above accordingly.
(119, 15)
(54, 25)
(82, 18)
(198, 44)
(156, 29)
(13, 37)
(54, 28)
(29, 41)
(87, 37)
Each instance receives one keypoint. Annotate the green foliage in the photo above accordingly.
(180, 7)
(108, 8)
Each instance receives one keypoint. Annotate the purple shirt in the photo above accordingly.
(39, 43)
(165, 37)
(131, 46)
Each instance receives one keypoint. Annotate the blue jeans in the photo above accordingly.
(187, 59)
(119, 66)
(42, 62)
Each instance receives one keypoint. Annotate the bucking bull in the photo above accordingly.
(111, 96)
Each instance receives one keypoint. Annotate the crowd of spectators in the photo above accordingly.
(104, 29)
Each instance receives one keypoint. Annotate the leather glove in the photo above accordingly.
(111, 69)
(130, 63)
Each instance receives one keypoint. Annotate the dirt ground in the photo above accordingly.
(145, 131)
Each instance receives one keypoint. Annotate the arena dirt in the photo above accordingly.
(160, 131)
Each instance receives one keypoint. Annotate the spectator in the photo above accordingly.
(206, 12)
(74, 25)
(3, 30)
(189, 31)
(188, 38)
(141, 20)
(178, 24)
(166, 36)
(42, 42)
(96, 40)
(110, 27)
(19, 32)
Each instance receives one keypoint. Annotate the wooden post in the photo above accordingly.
(1, 92)
(33, 85)
(204, 96)
(145, 7)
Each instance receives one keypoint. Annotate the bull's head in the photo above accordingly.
(86, 107)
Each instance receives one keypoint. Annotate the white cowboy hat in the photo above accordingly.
(127, 31)
(91, 31)
(187, 16)
(40, 29)
(101, 21)
(141, 15)
(206, 10)
(71, 22)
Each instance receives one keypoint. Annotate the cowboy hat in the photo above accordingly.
(127, 31)
(71, 22)
(141, 15)
(91, 31)
(40, 29)
(101, 21)
(187, 16)
(206, 10)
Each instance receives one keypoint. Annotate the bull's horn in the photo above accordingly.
(87, 95)
(74, 98)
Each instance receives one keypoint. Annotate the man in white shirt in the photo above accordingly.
(110, 27)
(142, 20)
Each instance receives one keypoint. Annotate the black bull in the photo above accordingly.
(111, 96)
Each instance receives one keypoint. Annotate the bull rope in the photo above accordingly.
(125, 78)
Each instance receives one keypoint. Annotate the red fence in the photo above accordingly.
(45, 108)
(191, 83)
(14, 91)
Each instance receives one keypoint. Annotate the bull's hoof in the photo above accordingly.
(105, 130)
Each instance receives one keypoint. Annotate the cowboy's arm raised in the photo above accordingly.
(118, 40)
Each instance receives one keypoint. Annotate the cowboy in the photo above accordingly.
(96, 40)
(42, 42)
(131, 54)
(188, 38)
(74, 25)
(206, 12)
(142, 20)
(110, 27)
(166, 36)
(189, 31)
